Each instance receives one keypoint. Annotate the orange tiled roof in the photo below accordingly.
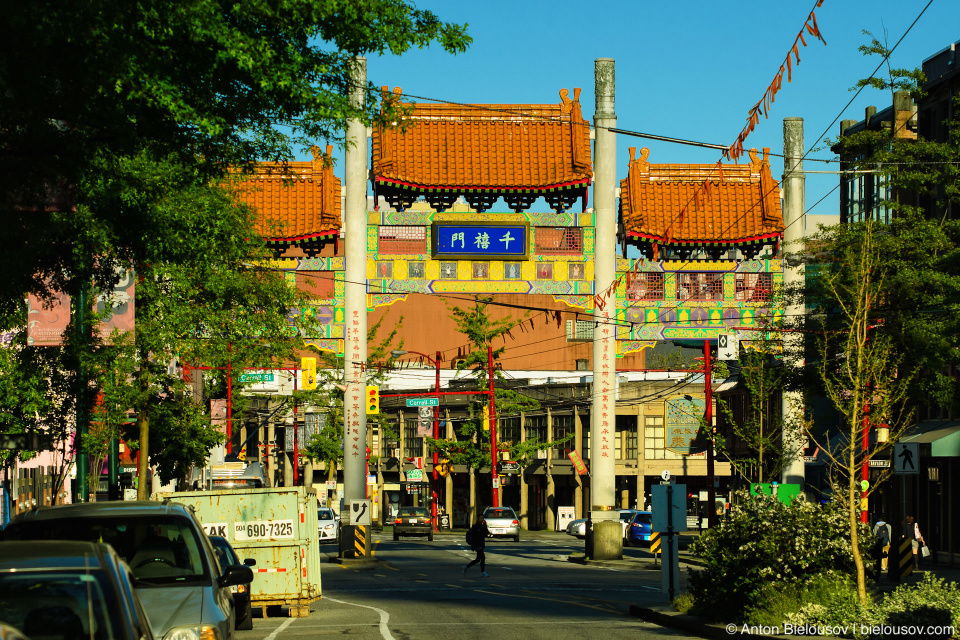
(295, 200)
(692, 203)
(495, 146)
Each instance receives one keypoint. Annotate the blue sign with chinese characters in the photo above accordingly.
(480, 241)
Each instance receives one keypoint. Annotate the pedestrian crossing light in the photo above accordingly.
(308, 373)
(373, 400)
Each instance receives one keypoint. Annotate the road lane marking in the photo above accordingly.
(384, 617)
(276, 632)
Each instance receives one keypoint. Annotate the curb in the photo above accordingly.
(691, 625)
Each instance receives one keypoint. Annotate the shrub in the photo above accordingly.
(831, 600)
(683, 602)
(763, 541)
(930, 602)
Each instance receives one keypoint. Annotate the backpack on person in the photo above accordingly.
(473, 535)
(882, 531)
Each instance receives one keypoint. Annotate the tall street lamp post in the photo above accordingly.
(436, 429)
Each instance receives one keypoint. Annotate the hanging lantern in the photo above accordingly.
(883, 432)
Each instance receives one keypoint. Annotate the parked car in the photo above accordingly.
(502, 522)
(227, 557)
(413, 521)
(69, 590)
(328, 525)
(577, 528)
(640, 527)
(178, 580)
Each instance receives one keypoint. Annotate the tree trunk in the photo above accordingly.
(143, 480)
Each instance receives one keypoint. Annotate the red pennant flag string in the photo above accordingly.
(559, 320)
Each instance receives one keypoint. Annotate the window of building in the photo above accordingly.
(626, 437)
(509, 430)
(412, 443)
(583, 364)
(585, 438)
(754, 287)
(401, 239)
(562, 427)
(578, 330)
(654, 440)
(700, 285)
(646, 286)
(556, 241)
(536, 428)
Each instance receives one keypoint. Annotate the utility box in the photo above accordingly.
(277, 527)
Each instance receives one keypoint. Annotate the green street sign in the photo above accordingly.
(423, 402)
(262, 376)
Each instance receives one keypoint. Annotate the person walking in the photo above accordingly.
(911, 531)
(883, 532)
(477, 539)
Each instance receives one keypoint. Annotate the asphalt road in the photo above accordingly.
(417, 589)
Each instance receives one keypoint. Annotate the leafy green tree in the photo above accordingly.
(758, 427)
(471, 443)
(327, 443)
(92, 87)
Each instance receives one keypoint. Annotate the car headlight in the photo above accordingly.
(193, 632)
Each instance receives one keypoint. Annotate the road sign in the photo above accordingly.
(414, 474)
(423, 402)
(666, 474)
(906, 458)
(670, 513)
(728, 346)
(360, 511)
(509, 466)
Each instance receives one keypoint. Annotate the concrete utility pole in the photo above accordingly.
(355, 296)
(794, 223)
(607, 532)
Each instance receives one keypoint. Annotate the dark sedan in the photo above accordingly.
(227, 557)
(413, 521)
(66, 589)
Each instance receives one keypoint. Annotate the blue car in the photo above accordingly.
(639, 528)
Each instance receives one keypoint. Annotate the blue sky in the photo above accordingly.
(689, 69)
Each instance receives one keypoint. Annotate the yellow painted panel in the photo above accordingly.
(431, 270)
(371, 269)
(561, 270)
(496, 270)
(528, 270)
(479, 286)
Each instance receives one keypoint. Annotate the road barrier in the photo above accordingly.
(904, 559)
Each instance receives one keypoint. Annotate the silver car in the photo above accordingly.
(502, 522)
(178, 579)
(578, 528)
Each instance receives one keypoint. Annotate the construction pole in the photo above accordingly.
(794, 439)
(355, 294)
(607, 543)
(494, 476)
(708, 418)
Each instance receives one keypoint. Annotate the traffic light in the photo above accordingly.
(308, 373)
(373, 400)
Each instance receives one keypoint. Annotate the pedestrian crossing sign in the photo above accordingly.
(906, 458)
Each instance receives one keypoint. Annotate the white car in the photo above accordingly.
(328, 525)
(578, 528)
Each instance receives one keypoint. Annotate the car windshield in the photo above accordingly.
(499, 513)
(325, 514)
(59, 605)
(159, 549)
(626, 516)
(413, 511)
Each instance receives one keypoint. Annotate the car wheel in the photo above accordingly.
(247, 623)
(430, 537)
(516, 538)
(396, 536)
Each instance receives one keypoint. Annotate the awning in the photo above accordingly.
(943, 436)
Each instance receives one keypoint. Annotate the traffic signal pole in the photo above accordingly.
(494, 476)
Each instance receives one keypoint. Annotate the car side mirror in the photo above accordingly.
(235, 574)
(250, 562)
